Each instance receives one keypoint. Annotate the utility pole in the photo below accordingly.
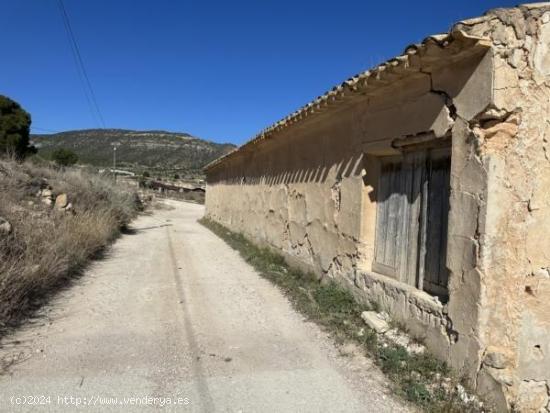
(115, 145)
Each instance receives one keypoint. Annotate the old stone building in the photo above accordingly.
(424, 185)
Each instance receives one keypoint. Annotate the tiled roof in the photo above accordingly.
(363, 82)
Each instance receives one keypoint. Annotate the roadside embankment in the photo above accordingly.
(52, 222)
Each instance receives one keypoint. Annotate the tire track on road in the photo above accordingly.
(206, 400)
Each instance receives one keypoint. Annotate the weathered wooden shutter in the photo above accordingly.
(396, 248)
(411, 228)
(415, 166)
(437, 214)
(390, 207)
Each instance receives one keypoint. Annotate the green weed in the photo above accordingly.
(416, 377)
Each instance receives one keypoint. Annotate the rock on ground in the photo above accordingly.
(375, 321)
(5, 226)
(61, 201)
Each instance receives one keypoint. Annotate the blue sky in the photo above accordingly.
(219, 70)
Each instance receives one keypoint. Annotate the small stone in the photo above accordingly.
(46, 193)
(404, 340)
(397, 337)
(5, 226)
(463, 394)
(375, 321)
(69, 207)
(61, 201)
(47, 201)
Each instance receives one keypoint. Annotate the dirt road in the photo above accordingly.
(173, 315)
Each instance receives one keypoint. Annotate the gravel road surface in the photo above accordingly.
(173, 316)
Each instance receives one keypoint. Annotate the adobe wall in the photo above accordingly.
(310, 192)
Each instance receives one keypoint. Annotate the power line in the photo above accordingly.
(81, 69)
(78, 68)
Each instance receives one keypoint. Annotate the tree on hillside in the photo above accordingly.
(15, 125)
(64, 157)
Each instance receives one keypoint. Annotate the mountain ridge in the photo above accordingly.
(136, 149)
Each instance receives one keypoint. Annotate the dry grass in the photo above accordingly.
(48, 247)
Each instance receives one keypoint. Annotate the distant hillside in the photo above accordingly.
(137, 149)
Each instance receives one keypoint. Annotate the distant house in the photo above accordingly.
(423, 184)
(157, 185)
(122, 172)
(117, 171)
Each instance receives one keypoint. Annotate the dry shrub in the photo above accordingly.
(48, 247)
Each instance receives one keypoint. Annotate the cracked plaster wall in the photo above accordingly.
(310, 192)
(514, 249)
(304, 192)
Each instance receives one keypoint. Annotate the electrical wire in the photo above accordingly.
(81, 69)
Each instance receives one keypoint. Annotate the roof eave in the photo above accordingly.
(433, 48)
